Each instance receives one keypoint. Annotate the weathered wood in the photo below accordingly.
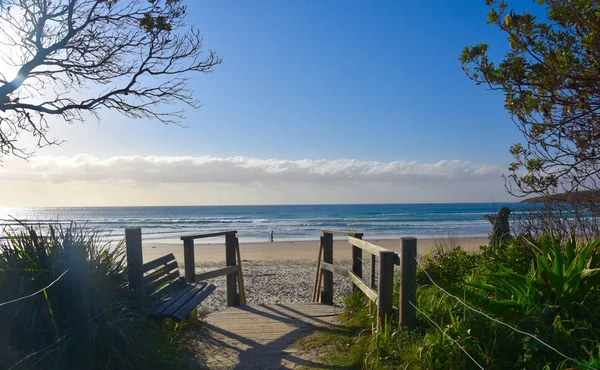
(316, 285)
(78, 303)
(373, 269)
(327, 296)
(216, 273)
(357, 263)
(157, 262)
(342, 232)
(155, 285)
(242, 287)
(366, 246)
(370, 293)
(133, 243)
(335, 269)
(230, 257)
(172, 297)
(155, 275)
(385, 288)
(263, 336)
(182, 300)
(189, 260)
(210, 235)
(185, 309)
(408, 283)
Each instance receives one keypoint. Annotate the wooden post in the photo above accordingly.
(240, 271)
(133, 242)
(189, 260)
(385, 292)
(357, 262)
(373, 263)
(233, 298)
(327, 296)
(317, 285)
(408, 283)
(79, 320)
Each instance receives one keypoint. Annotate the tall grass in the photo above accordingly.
(123, 335)
(547, 288)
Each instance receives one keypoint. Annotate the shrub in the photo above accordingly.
(447, 266)
(123, 335)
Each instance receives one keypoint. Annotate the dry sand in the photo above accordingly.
(283, 272)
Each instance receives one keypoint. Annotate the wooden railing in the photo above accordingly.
(380, 293)
(233, 262)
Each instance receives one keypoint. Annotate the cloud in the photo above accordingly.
(241, 170)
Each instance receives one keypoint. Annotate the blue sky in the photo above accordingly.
(328, 80)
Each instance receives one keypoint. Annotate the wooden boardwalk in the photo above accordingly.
(260, 336)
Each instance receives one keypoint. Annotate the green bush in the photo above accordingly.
(547, 288)
(124, 337)
(447, 266)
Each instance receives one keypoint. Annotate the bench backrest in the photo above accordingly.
(160, 272)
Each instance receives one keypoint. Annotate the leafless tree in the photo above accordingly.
(66, 58)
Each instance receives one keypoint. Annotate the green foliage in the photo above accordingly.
(447, 266)
(549, 77)
(545, 288)
(124, 337)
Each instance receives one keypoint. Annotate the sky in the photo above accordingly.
(315, 102)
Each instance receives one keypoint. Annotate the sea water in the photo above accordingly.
(254, 223)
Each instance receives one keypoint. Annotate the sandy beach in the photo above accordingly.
(295, 250)
(284, 271)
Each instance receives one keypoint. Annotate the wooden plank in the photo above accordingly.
(210, 235)
(155, 285)
(157, 262)
(216, 273)
(189, 262)
(357, 263)
(363, 287)
(193, 303)
(335, 269)
(155, 275)
(408, 283)
(373, 267)
(366, 246)
(169, 299)
(316, 285)
(342, 232)
(182, 300)
(327, 296)
(385, 287)
(240, 272)
(133, 242)
(397, 260)
(167, 289)
(230, 257)
(79, 318)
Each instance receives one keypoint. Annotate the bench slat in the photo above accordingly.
(170, 298)
(182, 300)
(166, 289)
(153, 286)
(160, 272)
(192, 303)
(157, 262)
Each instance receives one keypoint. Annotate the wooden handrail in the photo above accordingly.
(342, 232)
(384, 293)
(200, 236)
(216, 273)
(366, 246)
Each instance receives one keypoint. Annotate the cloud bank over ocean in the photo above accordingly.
(165, 169)
(245, 180)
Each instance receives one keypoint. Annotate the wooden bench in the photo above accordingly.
(176, 296)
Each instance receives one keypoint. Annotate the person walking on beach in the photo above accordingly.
(271, 237)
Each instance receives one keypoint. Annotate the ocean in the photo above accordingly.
(288, 222)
